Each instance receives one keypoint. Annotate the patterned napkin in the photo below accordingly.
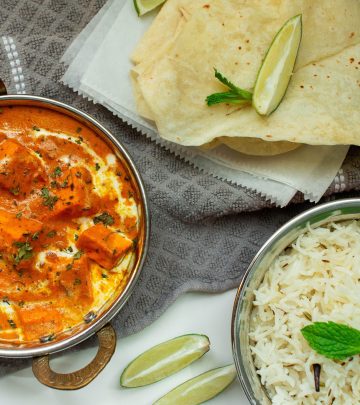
(204, 231)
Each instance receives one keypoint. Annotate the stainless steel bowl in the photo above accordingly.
(100, 324)
(334, 211)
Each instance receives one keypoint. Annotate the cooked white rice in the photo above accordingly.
(317, 279)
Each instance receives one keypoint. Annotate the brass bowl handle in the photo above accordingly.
(3, 90)
(80, 378)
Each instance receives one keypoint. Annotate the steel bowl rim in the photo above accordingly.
(281, 232)
(120, 301)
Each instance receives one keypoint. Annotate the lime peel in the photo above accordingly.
(145, 6)
(164, 359)
(277, 67)
(201, 388)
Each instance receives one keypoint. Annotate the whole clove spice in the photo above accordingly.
(317, 371)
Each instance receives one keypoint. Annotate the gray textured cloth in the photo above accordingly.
(204, 231)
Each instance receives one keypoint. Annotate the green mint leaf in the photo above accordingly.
(333, 340)
(247, 95)
(228, 97)
(236, 95)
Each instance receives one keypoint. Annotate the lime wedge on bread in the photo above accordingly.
(144, 6)
(277, 67)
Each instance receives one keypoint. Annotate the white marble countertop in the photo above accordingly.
(192, 313)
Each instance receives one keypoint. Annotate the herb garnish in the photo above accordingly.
(35, 235)
(235, 95)
(25, 251)
(49, 200)
(15, 190)
(105, 218)
(77, 255)
(35, 128)
(333, 340)
(57, 172)
(51, 234)
(97, 166)
(12, 323)
(18, 215)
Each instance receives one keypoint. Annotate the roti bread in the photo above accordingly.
(320, 106)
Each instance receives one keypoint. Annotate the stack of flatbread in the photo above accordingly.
(174, 65)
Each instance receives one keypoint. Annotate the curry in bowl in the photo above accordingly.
(69, 224)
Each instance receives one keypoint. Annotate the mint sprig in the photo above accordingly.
(333, 340)
(236, 95)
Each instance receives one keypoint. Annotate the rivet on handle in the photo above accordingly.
(81, 378)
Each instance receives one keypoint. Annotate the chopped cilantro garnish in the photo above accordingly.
(15, 190)
(35, 236)
(65, 183)
(25, 251)
(97, 166)
(19, 215)
(49, 200)
(51, 234)
(77, 255)
(12, 323)
(105, 218)
(57, 172)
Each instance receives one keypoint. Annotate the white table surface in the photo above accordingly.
(192, 313)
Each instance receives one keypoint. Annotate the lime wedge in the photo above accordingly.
(201, 388)
(164, 359)
(277, 67)
(144, 6)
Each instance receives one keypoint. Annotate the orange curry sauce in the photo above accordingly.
(68, 223)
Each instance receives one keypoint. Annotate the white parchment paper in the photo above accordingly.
(99, 67)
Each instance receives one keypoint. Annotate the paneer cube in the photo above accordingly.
(14, 229)
(103, 245)
(73, 277)
(40, 321)
(19, 168)
(74, 194)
